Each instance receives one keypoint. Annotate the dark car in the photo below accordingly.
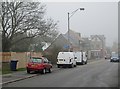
(115, 59)
(39, 64)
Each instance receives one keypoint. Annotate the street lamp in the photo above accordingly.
(69, 16)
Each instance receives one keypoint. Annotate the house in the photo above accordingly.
(75, 40)
(86, 44)
(98, 46)
(61, 43)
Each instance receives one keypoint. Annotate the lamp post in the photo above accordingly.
(69, 16)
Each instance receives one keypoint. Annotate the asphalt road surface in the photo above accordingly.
(100, 73)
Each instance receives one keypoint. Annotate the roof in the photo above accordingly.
(62, 39)
(74, 37)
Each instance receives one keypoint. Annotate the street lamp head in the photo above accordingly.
(82, 8)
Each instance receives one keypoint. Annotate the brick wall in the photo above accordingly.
(22, 57)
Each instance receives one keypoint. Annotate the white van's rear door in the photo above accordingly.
(79, 56)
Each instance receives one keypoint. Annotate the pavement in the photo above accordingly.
(21, 75)
(17, 76)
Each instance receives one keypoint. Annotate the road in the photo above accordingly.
(100, 73)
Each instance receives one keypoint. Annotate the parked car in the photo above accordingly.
(108, 56)
(39, 64)
(66, 59)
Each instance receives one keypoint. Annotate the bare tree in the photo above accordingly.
(23, 18)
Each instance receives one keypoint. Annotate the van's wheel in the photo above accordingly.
(28, 71)
(86, 62)
(71, 66)
(75, 65)
(58, 66)
(43, 71)
(50, 70)
(83, 62)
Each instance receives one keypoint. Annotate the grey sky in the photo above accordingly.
(97, 18)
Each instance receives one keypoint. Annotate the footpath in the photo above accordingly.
(20, 75)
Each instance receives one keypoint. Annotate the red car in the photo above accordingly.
(39, 64)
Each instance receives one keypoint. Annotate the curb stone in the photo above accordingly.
(19, 79)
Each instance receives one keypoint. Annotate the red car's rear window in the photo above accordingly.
(36, 60)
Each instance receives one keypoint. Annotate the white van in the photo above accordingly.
(81, 57)
(66, 59)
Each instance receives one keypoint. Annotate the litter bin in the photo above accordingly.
(13, 65)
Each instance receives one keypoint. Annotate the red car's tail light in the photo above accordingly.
(28, 65)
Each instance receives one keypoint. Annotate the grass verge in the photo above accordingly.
(6, 69)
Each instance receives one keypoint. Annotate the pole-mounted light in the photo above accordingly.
(69, 16)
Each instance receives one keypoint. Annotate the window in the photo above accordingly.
(45, 60)
(36, 60)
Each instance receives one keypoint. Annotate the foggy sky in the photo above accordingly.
(98, 18)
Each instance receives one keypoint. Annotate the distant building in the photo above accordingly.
(62, 42)
(75, 40)
(59, 44)
(95, 45)
(86, 44)
(98, 45)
